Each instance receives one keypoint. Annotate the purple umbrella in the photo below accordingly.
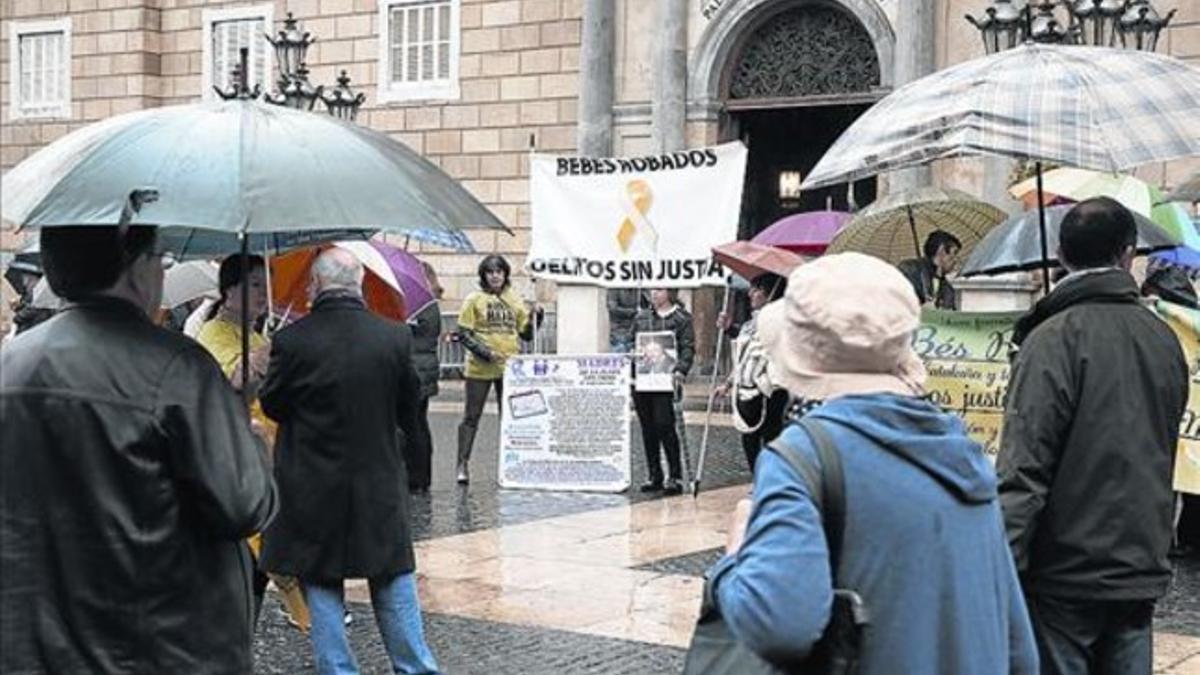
(410, 274)
(804, 233)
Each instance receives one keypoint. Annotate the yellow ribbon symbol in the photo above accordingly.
(640, 197)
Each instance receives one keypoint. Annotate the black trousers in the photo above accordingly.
(1092, 637)
(656, 415)
(418, 451)
(477, 393)
(772, 426)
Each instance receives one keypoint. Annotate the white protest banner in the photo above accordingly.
(566, 423)
(646, 222)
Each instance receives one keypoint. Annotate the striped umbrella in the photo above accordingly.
(895, 227)
(1089, 107)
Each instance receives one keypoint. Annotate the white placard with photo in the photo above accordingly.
(655, 356)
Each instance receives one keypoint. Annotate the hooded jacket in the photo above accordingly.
(1095, 397)
(923, 545)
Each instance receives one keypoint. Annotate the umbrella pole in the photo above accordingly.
(912, 225)
(245, 317)
(270, 295)
(1041, 200)
(712, 387)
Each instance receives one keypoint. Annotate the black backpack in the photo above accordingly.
(715, 651)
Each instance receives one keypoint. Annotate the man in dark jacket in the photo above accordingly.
(129, 477)
(340, 383)
(1097, 391)
(427, 333)
(928, 273)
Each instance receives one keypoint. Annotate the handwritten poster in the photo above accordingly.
(566, 423)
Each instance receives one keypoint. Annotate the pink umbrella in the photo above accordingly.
(804, 233)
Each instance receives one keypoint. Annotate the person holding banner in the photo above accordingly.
(655, 409)
(490, 325)
(1097, 390)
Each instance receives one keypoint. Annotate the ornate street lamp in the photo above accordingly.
(1097, 20)
(1091, 22)
(1045, 28)
(341, 101)
(296, 91)
(1003, 26)
(291, 46)
(1140, 26)
(239, 86)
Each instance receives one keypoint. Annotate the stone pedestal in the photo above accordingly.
(1002, 293)
(582, 320)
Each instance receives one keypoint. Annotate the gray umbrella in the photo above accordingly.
(1014, 245)
(1188, 191)
(238, 166)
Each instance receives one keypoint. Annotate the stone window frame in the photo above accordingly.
(447, 89)
(60, 109)
(266, 12)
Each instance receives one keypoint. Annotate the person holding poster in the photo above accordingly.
(1097, 391)
(653, 331)
(490, 325)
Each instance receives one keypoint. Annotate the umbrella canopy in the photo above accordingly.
(748, 259)
(1090, 107)
(1182, 256)
(1188, 191)
(1076, 185)
(804, 233)
(895, 228)
(238, 166)
(182, 283)
(394, 284)
(1067, 185)
(1014, 245)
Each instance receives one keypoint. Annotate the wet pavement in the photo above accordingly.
(546, 582)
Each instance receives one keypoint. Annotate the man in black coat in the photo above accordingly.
(1097, 391)
(340, 383)
(927, 274)
(129, 478)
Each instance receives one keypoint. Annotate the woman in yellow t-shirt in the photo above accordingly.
(490, 325)
(221, 335)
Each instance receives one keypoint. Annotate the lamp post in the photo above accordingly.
(294, 88)
(1133, 24)
(342, 101)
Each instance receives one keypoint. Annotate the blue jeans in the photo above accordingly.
(397, 613)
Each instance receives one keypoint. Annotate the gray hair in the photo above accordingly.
(337, 269)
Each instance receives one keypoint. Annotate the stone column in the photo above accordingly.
(915, 58)
(669, 115)
(582, 311)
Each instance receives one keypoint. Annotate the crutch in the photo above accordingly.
(712, 395)
(681, 430)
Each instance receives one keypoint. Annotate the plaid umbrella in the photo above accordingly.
(895, 227)
(1090, 107)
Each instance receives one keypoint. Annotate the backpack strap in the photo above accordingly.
(826, 484)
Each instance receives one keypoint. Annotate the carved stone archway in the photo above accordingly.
(807, 51)
(711, 77)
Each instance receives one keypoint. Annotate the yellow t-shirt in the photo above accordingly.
(496, 320)
(223, 339)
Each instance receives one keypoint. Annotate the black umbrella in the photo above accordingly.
(1015, 244)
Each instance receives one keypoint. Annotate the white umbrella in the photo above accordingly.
(182, 282)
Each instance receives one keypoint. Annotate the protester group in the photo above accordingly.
(145, 510)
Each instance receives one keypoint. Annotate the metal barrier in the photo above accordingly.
(452, 355)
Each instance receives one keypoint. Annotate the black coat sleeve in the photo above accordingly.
(216, 460)
(1037, 419)
(273, 395)
(685, 336)
(410, 387)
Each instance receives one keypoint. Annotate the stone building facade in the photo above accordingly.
(474, 85)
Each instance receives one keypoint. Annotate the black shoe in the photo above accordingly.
(673, 488)
(652, 486)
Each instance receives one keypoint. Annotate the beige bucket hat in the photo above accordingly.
(844, 327)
